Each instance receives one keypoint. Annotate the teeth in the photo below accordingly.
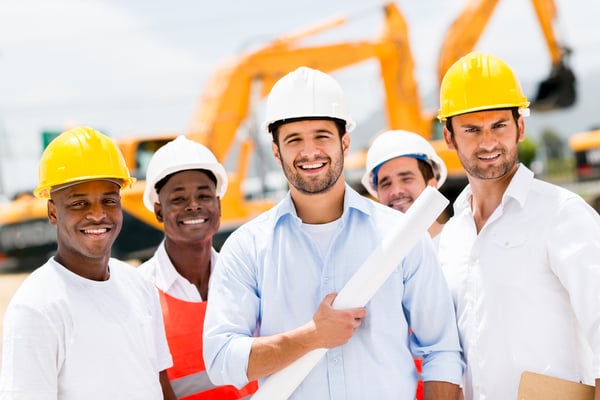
(194, 221)
(95, 231)
(312, 166)
(489, 157)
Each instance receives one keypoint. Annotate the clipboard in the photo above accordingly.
(535, 386)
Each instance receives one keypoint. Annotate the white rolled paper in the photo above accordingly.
(363, 285)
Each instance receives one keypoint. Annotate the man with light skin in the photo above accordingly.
(521, 256)
(277, 276)
(400, 165)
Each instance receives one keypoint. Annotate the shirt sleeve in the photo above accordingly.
(31, 355)
(163, 354)
(231, 316)
(431, 316)
(574, 251)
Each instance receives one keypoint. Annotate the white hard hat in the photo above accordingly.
(399, 143)
(181, 154)
(306, 92)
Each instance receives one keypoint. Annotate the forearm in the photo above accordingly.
(437, 390)
(270, 354)
(165, 384)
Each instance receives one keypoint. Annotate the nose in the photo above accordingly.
(488, 139)
(310, 149)
(96, 212)
(194, 204)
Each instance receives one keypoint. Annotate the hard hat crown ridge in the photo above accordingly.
(80, 154)
(181, 154)
(478, 82)
(306, 93)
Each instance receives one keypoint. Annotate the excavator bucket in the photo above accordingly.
(557, 91)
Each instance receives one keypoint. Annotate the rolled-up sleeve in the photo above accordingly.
(231, 318)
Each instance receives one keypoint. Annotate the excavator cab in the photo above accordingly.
(558, 90)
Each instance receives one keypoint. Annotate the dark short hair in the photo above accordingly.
(514, 110)
(159, 185)
(274, 127)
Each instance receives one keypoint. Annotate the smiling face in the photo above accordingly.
(400, 182)
(88, 218)
(311, 154)
(189, 207)
(486, 142)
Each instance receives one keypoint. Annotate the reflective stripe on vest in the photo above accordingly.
(184, 322)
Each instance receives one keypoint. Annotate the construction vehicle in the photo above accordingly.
(586, 148)
(223, 111)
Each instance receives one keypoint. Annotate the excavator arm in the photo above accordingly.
(557, 91)
(226, 101)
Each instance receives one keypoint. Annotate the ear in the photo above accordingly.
(432, 182)
(448, 139)
(276, 152)
(51, 208)
(158, 212)
(346, 143)
(521, 127)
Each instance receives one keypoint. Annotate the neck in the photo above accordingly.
(193, 262)
(435, 229)
(320, 208)
(89, 268)
(487, 196)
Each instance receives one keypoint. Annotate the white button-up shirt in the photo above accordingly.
(526, 288)
(161, 271)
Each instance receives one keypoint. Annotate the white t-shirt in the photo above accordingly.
(70, 338)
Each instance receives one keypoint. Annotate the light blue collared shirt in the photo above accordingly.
(270, 273)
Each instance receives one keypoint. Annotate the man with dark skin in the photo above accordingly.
(184, 185)
(83, 325)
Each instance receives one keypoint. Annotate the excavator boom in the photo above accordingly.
(556, 91)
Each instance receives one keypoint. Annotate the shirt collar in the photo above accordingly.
(167, 275)
(517, 189)
(352, 200)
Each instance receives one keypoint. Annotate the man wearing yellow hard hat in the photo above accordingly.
(83, 325)
(521, 256)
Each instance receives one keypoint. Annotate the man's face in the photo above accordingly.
(189, 207)
(486, 142)
(400, 182)
(311, 154)
(88, 218)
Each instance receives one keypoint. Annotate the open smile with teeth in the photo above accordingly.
(489, 157)
(312, 166)
(96, 231)
(194, 221)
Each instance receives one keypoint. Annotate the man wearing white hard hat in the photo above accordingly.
(277, 276)
(184, 185)
(400, 165)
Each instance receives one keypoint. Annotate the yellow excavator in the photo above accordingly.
(222, 112)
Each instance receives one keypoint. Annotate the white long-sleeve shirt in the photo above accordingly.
(526, 288)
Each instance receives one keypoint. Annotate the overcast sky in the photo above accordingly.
(139, 66)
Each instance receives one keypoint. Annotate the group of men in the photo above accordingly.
(509, 284)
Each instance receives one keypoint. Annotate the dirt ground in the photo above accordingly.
(9, 282)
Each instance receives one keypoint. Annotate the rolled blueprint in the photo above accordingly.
(363, 285)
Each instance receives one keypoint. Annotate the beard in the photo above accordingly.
(502, 167)
(318, 183)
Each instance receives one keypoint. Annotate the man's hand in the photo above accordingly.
(334, 327)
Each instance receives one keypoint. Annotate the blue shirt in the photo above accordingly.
(271, 274)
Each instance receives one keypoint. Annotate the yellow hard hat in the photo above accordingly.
(477, 82)
(80, 154)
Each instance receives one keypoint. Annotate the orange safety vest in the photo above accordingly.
(419, 366)
(184, 323)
